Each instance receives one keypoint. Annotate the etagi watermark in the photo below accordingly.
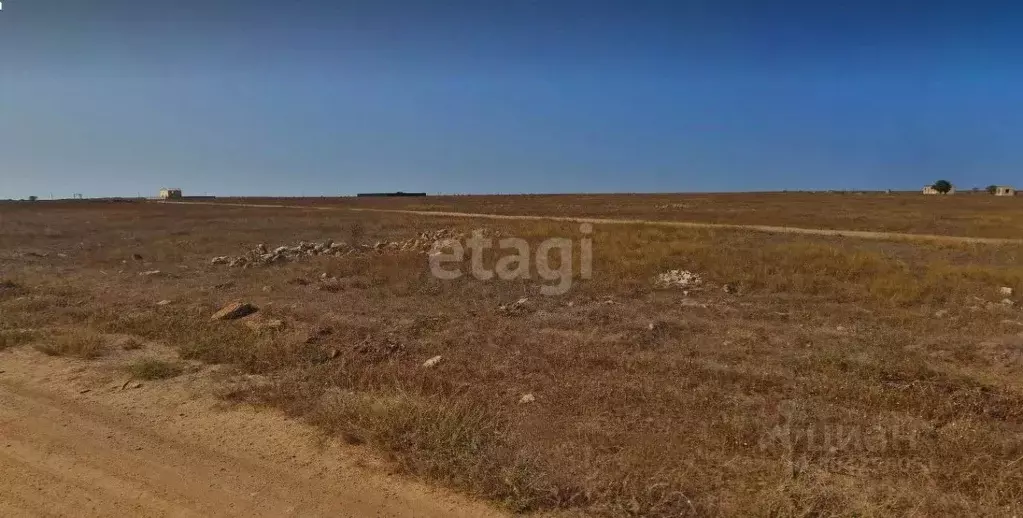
(516, 259)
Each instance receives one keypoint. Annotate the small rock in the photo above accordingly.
(730, 289)
(62, 256)
(220, 260)
(651, 326)
(163, 303)
(940, 313)
(137, 257)
(150, 273)
(280, 250)
(433, 362)
(234, 310)
(1005, 290)
(261, 248)
(136, 385)
(267, 289)
(1008, 302)
(259, 325)
(527, 399)
(678, 279)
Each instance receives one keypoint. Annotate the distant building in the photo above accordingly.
(389, 194)
(929, 189)
(170, 194)
(1004, 190)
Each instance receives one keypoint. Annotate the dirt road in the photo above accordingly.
(859, 234)
(74, 443)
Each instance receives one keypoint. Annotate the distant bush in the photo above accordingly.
(943, 186)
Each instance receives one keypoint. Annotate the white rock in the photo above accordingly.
(1005, 290)
(1008, 302)
(433, 362)
(150, 273)
(221, 260)
(527, 399)
(163, 303)
(678, 279)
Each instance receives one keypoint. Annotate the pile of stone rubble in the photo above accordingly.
(263, 255)
(678, 279)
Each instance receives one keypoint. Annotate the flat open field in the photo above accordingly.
(802, 375)
(968, 214)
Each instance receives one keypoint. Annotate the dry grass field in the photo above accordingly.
(832, 377)
(965, 214)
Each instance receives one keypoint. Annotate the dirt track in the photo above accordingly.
(858, 234)
(73, 443)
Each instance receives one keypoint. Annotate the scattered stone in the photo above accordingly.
(1005, 290)
(678, 279)
(516, 307)
(267, 289)
(651, 326)
(433, 362)
(62, 256)
(940, 313)
(163, 303)
(527, 399)
(261, 255)
(1008, 302)
(137, 385)
(730, 289)
(150, 273)
(234, 311)
(259, 325)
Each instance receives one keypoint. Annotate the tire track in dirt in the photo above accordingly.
(159, 450)
(771, 229)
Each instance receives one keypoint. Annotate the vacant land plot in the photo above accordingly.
(976, 215)
(797, 376)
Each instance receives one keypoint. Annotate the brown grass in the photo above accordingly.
(153, 369)
(965, 214)
(82, 345)
(844, 377)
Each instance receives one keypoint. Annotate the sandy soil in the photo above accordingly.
(78, 439)
(771, 229)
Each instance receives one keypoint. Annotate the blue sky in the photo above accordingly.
(120, 97)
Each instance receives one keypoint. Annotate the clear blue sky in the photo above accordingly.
(118, 97)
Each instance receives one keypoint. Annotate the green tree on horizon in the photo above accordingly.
(943, 186)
